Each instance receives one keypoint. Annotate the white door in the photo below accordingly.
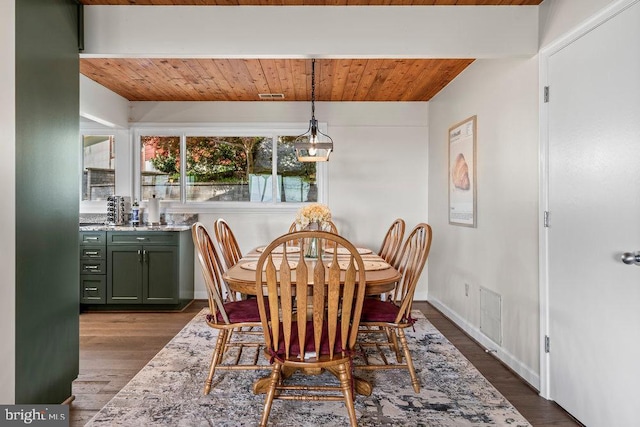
(594, 217)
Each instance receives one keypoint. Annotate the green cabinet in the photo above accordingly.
(146, 269)
(145, 274)
(93, 257)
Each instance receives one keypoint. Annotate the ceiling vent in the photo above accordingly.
(271, 95)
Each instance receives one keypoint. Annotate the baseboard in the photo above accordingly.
(500, 353)
(133, 308)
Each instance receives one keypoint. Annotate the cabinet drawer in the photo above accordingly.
(92, 267)
(93, 237)
(152, 238)
(89, 252)
(93, 289)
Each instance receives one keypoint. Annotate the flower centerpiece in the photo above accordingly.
(315, 216)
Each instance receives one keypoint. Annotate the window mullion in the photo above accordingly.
(183, 167)
(274, 169)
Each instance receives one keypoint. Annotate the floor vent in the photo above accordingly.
(271, 95)
(491, 315)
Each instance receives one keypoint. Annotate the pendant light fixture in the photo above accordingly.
(313, 145)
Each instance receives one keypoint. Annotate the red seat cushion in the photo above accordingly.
(241, 311)
(309, 346)
(376, 310)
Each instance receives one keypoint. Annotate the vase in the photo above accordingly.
(313, 245)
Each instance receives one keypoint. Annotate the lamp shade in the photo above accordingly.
(313, 145)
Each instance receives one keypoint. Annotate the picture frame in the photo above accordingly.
(462, 176)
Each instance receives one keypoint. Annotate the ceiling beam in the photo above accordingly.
(309, 31)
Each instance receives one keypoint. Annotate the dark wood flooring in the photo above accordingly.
(115, 346)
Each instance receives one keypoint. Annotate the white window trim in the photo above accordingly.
(222, 129)
(122, 165)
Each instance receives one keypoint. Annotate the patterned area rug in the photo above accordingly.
(168, 391)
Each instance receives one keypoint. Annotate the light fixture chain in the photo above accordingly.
(313, 88)
(309, 146)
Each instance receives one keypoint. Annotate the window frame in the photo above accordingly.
(271, 131)
(122, 169)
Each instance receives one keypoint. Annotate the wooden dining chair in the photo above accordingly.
(228, 244)
(330, 226)
(387, 319)
(392, 241)
(310, 316)
(227, 315)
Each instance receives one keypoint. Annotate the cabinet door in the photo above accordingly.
(124, 274)
(160, 275)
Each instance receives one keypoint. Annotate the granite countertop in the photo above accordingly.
(103, 227)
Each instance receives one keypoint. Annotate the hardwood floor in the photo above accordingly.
(115, 346)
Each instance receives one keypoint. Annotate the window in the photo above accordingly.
(246, 168)
(98, 167)
(160, 167)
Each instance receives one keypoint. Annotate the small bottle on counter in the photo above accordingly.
(135, 213)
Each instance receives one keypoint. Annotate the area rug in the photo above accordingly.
(168, 391)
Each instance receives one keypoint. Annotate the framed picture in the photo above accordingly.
(462, 173)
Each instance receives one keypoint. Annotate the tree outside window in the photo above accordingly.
(226, 169)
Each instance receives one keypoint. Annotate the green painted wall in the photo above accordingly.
(47, 201)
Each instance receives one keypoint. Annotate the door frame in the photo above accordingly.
(545, 54)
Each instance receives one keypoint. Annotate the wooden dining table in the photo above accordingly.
(380, 277)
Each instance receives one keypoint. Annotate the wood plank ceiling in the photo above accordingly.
(157, 79)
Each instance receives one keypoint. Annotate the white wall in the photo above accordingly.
(501, 254)
(7, 192)
(559, 16)
(101, 105)
(377, 172)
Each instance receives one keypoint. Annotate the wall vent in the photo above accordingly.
(491, 315)
(271, 95)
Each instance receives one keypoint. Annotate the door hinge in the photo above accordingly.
(546, 219)
(546, 343)
(546, 94)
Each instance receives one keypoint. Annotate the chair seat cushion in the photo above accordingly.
(240, 311)
(309, 346)
(376, 310)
